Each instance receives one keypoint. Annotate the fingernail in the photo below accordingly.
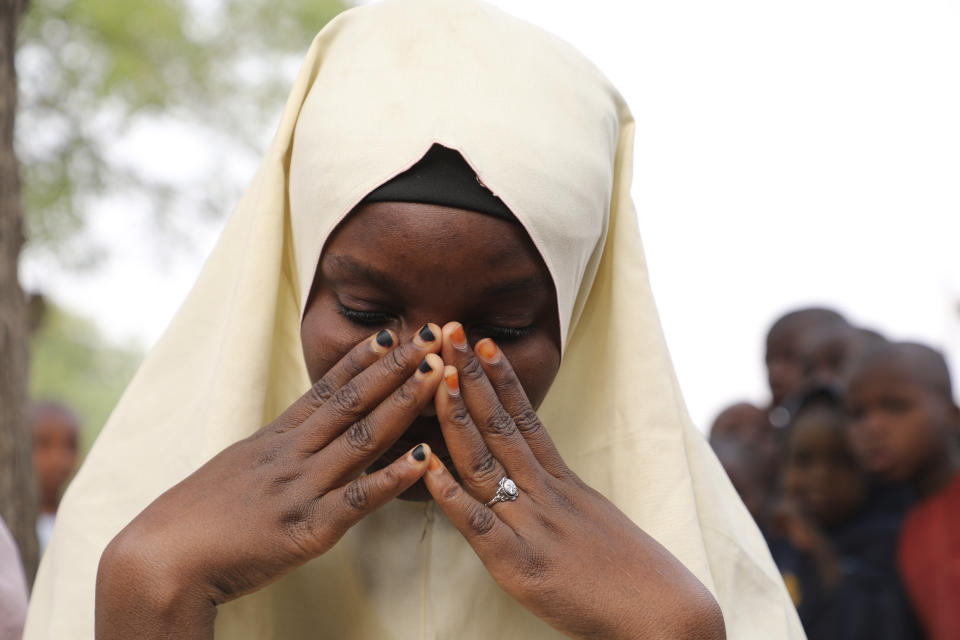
(435, 465)
(451, 380)
(418, 453)
(426, 334)
(488, 351)
(424, 367)
(384, 339)
(458, 338)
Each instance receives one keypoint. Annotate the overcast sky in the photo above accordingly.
(787, 154)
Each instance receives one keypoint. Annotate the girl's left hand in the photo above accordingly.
(561, 549)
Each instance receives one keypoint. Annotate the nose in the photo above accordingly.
(874, 424)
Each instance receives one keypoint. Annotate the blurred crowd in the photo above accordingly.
(851, 474)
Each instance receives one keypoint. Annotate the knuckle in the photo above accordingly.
(354, 364)
(389, 480)
(472, 370)
(295, 519)
(404, 397)
(481, 520)
(533, 566)
(360, 436)
(356, 496)
(451, 492)
(484, 466)
(279, 482)
(321, 392)
(459, 415)
(559, 498)
(550, 525)
(268, 455)
(505, 381)
(395, 362)
(499, 422)
(527, 421)
(346, 400)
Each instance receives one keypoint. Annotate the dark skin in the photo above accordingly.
(829, 351)
(55, 453)
(822, 486)
(785, 368)
(902, 422)
(290, 491)
(821, 474)
(743, 422)
(739, 461)
(787, 350)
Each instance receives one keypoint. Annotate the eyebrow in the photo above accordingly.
(360, 270)
(351, 267)
(511, 286)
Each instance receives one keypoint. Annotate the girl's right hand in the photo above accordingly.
(271, 502)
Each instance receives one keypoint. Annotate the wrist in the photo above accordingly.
(141, 596)
(691, 613)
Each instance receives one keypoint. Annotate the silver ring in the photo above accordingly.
(506, 492)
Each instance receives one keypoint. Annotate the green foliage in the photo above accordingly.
(71, 363)
(90, 68)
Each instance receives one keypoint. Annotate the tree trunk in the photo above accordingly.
(17, 484)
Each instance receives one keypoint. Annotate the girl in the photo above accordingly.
(439, 256)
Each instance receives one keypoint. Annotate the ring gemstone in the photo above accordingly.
(509, 487)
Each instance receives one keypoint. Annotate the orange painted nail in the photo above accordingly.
(435, 465)
(487, 350)
(452, 380)
(458, 337)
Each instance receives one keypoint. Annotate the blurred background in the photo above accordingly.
(784, 157)
(787, 155)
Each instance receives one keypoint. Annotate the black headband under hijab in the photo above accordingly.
(444, 178)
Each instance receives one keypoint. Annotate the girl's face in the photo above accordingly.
(820, 472)
(399, 265)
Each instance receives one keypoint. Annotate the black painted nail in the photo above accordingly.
(425, 367)
(419, 454)
(384, 339)
(426, 335)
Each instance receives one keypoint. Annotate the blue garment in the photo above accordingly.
(869, 602)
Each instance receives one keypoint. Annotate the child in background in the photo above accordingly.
(739, 460)
(747, 447)
(55, 453)
(830, 351)
(833, 545)
(903, 424)
(786, 359)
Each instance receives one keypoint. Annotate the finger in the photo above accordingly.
(342, 508)
(490, 537)
(477, 466)
(357, 359)
(369, 437)
(510, 392)
(491, 418)
(366, 390)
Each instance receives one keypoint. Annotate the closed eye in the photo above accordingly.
(504, 334)
(363, 318)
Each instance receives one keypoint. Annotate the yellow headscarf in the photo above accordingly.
(547, 133)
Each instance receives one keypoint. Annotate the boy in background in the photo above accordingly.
(55, 454)
(746, 446)
(830, 351)
(903, 425)
(786, 356)
(833, 545)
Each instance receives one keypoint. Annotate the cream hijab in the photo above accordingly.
(549, 135)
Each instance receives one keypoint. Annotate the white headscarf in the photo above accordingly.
(546, 132)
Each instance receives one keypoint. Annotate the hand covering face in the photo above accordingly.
(548, 134)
